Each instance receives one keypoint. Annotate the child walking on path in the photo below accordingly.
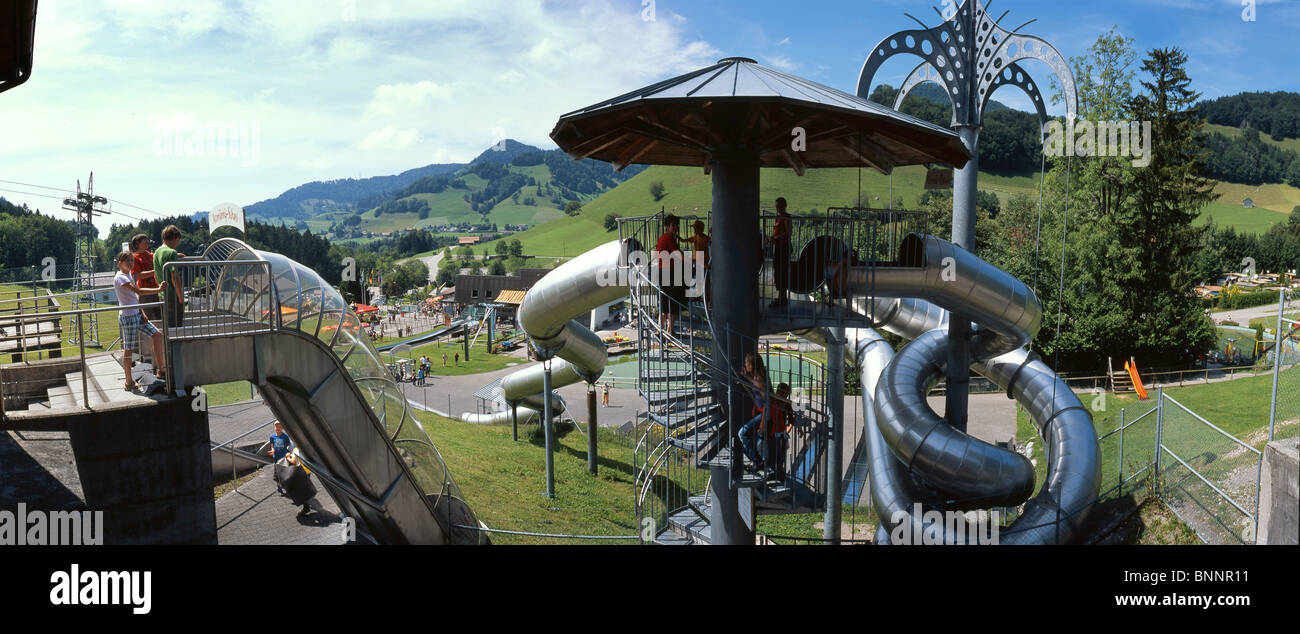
(132, 322)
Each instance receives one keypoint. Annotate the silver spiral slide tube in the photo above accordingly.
(547, 314)
(901, 430)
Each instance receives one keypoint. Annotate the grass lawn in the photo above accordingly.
(106, 321)
(227, 393)
(809, 525)
(1240, 407)
(505, 481)
(1270, 321)
(479, 360)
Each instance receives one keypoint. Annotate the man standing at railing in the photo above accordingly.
(132, 322)
(780, 241)
(174, 293)
(668, 257)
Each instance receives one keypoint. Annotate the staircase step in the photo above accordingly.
(670, 538)
(681, 417)
(701, 505)
(688, 523)
(659, 398)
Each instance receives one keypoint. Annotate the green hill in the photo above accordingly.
(518, 185)
(688, 192)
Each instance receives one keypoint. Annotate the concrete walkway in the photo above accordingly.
(255, 514)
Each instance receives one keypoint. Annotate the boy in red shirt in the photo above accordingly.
(672, 295)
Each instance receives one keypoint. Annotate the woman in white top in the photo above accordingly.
(132, 322)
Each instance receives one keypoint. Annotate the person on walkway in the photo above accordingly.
(753, 376)
(700, 242)
(131, 322)
(174, 294)
(280, 447)
(778, 431)
(667, 255)
(780, 241)
(604, 394)
(444, 359)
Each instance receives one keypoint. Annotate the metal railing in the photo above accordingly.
(687, 385)
(77, 316)
(807, 260)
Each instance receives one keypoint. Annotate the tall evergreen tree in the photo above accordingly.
(1168, 323)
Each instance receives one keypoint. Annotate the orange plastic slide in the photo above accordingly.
(1137, 380)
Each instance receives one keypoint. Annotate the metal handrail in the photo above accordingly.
(81, 344)
(243, 435)
(36, 298)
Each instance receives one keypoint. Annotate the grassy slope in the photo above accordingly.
(689, 192)
(503, 481)
(1232, 133)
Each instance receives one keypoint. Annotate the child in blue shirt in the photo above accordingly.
(280, 447)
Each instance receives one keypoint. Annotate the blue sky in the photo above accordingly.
(329, 89)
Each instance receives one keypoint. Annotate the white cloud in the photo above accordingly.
(784, 42)
(393, 86)
(391, 137)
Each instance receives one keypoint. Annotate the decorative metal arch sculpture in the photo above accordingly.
(970, 56)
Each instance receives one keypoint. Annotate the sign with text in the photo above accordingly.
(226, 215)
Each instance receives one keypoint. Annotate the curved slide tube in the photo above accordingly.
(547, 314)
(904, 436)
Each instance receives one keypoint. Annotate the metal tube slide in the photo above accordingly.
(1004, 309)
(1073, 469)
(975, 473)
(548, 316)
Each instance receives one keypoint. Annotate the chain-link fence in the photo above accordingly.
(1282, 352)
(1207, 477)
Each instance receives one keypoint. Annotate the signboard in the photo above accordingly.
(938, 178)
(226, 215)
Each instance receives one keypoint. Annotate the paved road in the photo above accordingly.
(1244, 315)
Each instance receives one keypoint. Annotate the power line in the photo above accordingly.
(64, 189)
(61, 198)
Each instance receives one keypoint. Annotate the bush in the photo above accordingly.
(1247, 300)
(572, 208)
(611, 222)
(657, 190)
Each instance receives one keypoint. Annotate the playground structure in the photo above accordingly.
(856, 270)
(261, 317)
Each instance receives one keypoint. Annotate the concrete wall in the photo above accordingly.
(1279, 495)
(150, 470)
(26, 381)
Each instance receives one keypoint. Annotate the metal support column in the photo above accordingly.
(514, 421)
(546, 426)
(835, 341)
(735, 315)
(1277, 361)
(956, 393)
(592, 456)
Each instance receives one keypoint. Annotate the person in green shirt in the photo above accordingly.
(173, 293)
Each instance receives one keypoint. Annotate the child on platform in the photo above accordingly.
(132, 322)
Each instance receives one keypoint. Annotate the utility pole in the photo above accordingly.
(87, 206)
